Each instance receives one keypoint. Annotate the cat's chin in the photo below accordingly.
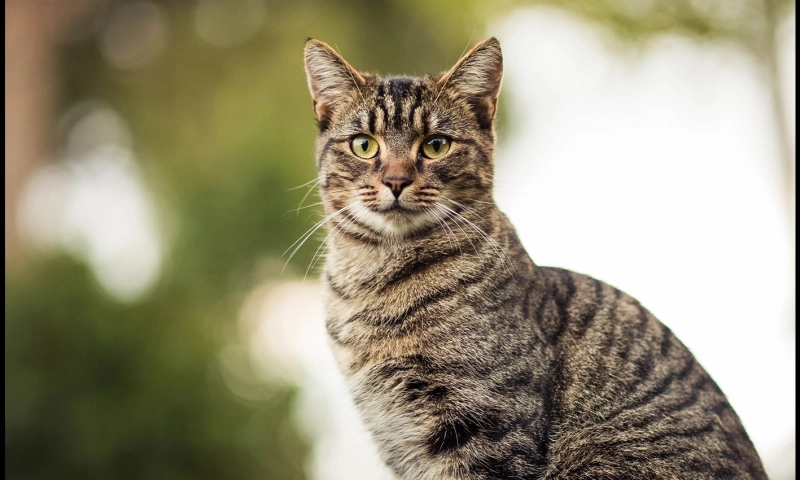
(396, 223)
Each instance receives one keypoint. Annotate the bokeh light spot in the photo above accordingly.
(133, 35)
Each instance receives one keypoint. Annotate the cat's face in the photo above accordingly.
(398, 155)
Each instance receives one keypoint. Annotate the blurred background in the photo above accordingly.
(154, 150)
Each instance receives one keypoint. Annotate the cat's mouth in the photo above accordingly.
(396, 219)
(397, 207)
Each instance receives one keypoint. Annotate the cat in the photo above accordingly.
(464, 358)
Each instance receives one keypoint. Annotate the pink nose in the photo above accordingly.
(396, 184)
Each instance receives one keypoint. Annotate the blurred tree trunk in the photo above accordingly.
(32, 27)
(29, 106)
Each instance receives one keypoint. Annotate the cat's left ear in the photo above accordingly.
(330, 78)
(476, 77)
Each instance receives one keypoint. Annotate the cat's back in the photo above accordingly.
(629, 396)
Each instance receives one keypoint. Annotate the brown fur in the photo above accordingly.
(465, 359)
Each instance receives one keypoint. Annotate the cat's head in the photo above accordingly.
(398, 155)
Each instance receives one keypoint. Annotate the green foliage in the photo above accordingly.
(95, 389)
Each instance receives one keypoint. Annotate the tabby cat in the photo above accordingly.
(464, 358)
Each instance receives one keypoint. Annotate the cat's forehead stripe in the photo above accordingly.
(371, 122)
(397, 102)
(414, 106)
(380, 114)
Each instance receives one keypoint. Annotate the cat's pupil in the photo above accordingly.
(436, 144)
(363, 145)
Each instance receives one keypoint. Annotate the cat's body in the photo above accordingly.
(465, 359)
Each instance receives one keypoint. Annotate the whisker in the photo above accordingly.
(438, 221)
(465, 207)
(336, 229)
(303, 238)
(477, 201)
(499, 250)
(455, 237)
(315, 180)
(447, 231)
(340, 190)
(314, 258)
(458, 223)
(298, 208)
(351, 217)
(306, 196)
(448, 215)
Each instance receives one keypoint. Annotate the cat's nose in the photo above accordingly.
(396, 184)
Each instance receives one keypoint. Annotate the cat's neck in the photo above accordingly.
(477, 237)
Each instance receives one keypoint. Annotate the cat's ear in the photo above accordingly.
(476, 77)
(330, 78)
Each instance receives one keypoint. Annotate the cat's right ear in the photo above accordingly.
(330, 78)
(476, 77)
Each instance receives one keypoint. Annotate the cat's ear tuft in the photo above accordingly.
(477, 77)
(330, 78)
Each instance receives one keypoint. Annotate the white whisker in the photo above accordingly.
(439, 222)
(337, 229)
(298, 208)
(314, 181)
(498, 249)
(458, 223)
(444, 222)
(303, 238)
(306, 196)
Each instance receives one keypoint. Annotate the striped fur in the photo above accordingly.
(465, 359)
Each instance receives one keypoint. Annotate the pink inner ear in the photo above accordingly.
(322, 109)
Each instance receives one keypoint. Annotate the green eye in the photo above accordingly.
(364, 146)
(435, 146)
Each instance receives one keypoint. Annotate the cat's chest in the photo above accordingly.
(430, 369)
(401, 383)
(405, 398)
